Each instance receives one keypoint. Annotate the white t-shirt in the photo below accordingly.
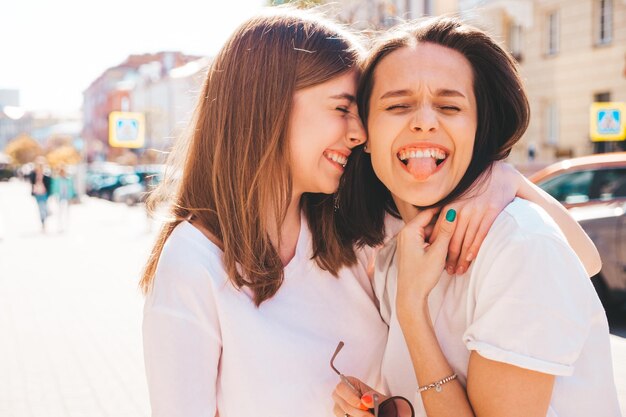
(209, 349)
(526, 301)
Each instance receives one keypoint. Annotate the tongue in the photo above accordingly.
(421, 168)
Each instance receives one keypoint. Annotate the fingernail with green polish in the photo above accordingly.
(451, 215)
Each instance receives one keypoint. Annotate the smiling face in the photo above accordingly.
(324, 127)
(422, 122)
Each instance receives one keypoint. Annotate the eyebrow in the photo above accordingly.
(444, 92)
(344, 96)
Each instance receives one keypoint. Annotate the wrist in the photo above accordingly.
(410, 309)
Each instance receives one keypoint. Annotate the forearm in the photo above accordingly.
(430, 364)
(576, 236)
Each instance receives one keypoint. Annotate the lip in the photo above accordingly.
(336, 164)
(343, 153)
(423, 145)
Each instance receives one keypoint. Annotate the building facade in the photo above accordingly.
(167, 101)
(378, 14)
(571, 54)
(112, 91)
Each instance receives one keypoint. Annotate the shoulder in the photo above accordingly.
(522, 221)
(188, 260)
(526, 253)
(188, 276)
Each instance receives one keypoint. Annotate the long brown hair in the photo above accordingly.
(502, 109)
(232, 169)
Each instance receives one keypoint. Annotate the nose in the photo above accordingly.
(424, 120)
(356, 132)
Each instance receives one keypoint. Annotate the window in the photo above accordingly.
(552, 124)
(552, 35)
(124, 104)
(583, 186)
(603, 97)
(608, 184)
(604, 21)
(515, 41)
(570, 188)
(428, 7)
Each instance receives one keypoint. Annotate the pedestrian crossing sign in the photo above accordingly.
(607, 122)
(127, 129)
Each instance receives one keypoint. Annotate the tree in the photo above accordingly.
(23, 149)
(301, 4)
(63, 155)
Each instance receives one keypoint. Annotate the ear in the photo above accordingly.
(365, 148)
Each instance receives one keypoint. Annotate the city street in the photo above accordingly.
(70, 310)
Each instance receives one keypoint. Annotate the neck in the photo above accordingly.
(290, 230)
(407, 211)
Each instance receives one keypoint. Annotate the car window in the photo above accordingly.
(583, 186)
(573, 187)
(608, 184)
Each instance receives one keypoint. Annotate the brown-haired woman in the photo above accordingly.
(522, 333)
(249, 288)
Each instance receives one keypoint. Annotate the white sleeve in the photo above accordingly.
(181, 336)
(532, 305)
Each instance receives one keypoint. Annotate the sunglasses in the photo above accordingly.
(390, 407)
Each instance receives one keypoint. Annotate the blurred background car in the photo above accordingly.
(149, 178)
(103, 185)
(131, 194)
(586, 180)
(6, 169)
(593, 188)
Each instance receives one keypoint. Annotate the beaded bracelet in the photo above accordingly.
(437, 385)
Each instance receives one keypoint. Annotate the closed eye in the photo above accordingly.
(397, 107)
(450, 108)
(343, 109)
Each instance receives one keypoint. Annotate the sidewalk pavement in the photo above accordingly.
(70, 311)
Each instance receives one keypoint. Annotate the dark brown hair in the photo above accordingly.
(231, 172)
(502, 114)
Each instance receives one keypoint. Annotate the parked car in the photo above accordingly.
(586, 180)
(593, 188)
(131, 194)
(101, 173)
(103, 185)
(149, 178)
(6, 170)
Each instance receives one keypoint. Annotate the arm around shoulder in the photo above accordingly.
(576, 236)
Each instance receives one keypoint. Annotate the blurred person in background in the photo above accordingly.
(40, 188)
(63, 191)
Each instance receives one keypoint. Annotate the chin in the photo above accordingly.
(420, 196)
(422, 202)
(329, 189)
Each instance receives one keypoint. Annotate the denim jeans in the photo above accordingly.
(42, 203)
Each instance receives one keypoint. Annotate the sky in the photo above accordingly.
(51, 50)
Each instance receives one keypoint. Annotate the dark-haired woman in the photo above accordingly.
(521, 332)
